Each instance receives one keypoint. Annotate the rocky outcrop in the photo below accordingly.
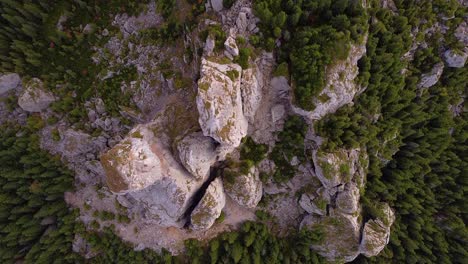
(340, 167)
(219, 103)
(455, 59)
(347, 201)
(9, 82)
(340, 87)
(142, 165)
(210, 206)
(341, 236)
(197, 154)
(376, 233)
(245, 189)
(34, 97)
(251, 92)
(431, 78)
(334, 209)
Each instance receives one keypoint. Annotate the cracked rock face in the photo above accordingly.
(219, 103)
(34, 97)
(9, 82)
(210, 206)
(197, 154)
(143, 166)
(246, 190)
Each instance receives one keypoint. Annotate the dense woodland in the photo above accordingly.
(417, 146)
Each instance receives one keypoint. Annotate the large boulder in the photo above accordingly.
(8, 82)
(315, 203)
(143, 166)
(219, 103)
(34, 97)
(197, 153)
(340, 167)
(245, 189)
(455, 59)
(251, 92)
(340, 236)
(432, 77)
(347, 201)
(210, 206)
(376, 233)
(340, 87)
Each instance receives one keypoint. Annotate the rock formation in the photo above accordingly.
(143, 166)
(334, 210)
(210, 206)
(245, 189)
(376, 233)
(340, 86)
(34, 97)
(197, 154)
(219, 103)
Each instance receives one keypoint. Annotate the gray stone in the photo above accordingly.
(246, 190)
(92, 115)
(143, 165)
(217, 5)
(219, 103)
(341, 235)
(431, 78)
(376, 233)
(231, 46)
(210, 206)
(251, 92)
(209, 45)
(197, 154)
(455, 59)
(9, 82)
(277, 112)
(34, 97)
(241, 22)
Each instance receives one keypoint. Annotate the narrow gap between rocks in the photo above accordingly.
(215, 171)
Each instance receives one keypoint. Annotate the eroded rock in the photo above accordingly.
(245, 189)
(197, 154)
(210, 206)
(376, 233)
(251, 93)
(142, 165)
(219, 103)
(34, 97)
(231, 46)
(340, 167)
(340, 87)
(340, 239)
